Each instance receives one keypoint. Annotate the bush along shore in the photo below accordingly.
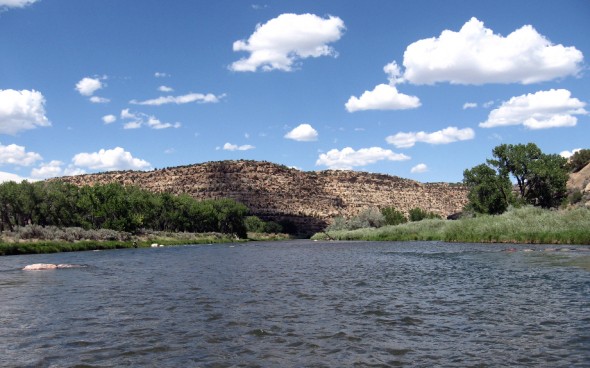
(34, 239)
(527, 225)
(48, 217)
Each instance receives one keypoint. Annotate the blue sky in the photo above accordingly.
(417, 89)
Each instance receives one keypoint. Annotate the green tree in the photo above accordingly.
(8, 205)
(516, 160)
(578, 160)
(230, 217)
(541, 178)
(549, 181)
(489, 192)
(393, 216)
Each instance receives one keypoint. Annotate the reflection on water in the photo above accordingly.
(299, 303)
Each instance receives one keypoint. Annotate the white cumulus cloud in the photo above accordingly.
(165, 89)
(6, 176)
(347, 158)
(96, 99)
(138, 119)
(444, 136)
(303, 133)
(87, 86)
(234, 147)
(16, 3)
(568, 154)
(476, 55)
(155, 123)
(17, 155)
(127, 114)
(161, 75)
(110, 159)
(188, 98)
(469, 105)
(109, 119)
(383, 97)
(132, 125)
(544, 109)
(48, 170)
(420, 168)
(282, 41)
(21, 110)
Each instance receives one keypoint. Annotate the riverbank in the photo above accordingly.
(39, 246)
(36, 239)
(528, 225)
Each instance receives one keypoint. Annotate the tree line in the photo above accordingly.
(117, 207)
(518, 175)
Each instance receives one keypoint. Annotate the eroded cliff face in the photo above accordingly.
(275, 192)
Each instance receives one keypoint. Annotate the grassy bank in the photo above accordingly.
(34, 239)
(522, 225)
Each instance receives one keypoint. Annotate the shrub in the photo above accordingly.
(339, 223)
(254, 224)
(575, 197)
(418, 214)
(371, 217)
(272, 227)
(393, 217)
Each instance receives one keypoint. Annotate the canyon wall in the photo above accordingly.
(274, 192)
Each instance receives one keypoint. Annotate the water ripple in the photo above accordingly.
(299, 304)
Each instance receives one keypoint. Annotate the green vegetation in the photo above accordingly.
(578, 160)
(255, 225)
(375, 218)
(370, 217)
(418, 214)
(540, 178)
(33, 239)
(497, 210)
(115, 207)
(489, 192)
(393, 216)
(518, 225)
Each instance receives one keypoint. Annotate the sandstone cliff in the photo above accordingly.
(275, 192)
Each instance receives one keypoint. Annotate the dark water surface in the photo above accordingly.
(299, 304)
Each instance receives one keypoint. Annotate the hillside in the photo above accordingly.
(580, 181)
(308, 199)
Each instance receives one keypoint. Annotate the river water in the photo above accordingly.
(299, 304)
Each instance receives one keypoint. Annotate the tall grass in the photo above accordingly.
(520, 225)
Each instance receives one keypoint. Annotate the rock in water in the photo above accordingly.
(40, 267)
(49, 266)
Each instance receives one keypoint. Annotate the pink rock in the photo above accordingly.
(40, 267)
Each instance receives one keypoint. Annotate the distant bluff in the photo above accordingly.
(275, 192)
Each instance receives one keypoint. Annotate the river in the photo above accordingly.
(299, 304)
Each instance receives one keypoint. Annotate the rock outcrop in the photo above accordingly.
(275, 192)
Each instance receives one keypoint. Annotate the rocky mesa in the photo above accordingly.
(275, 192)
